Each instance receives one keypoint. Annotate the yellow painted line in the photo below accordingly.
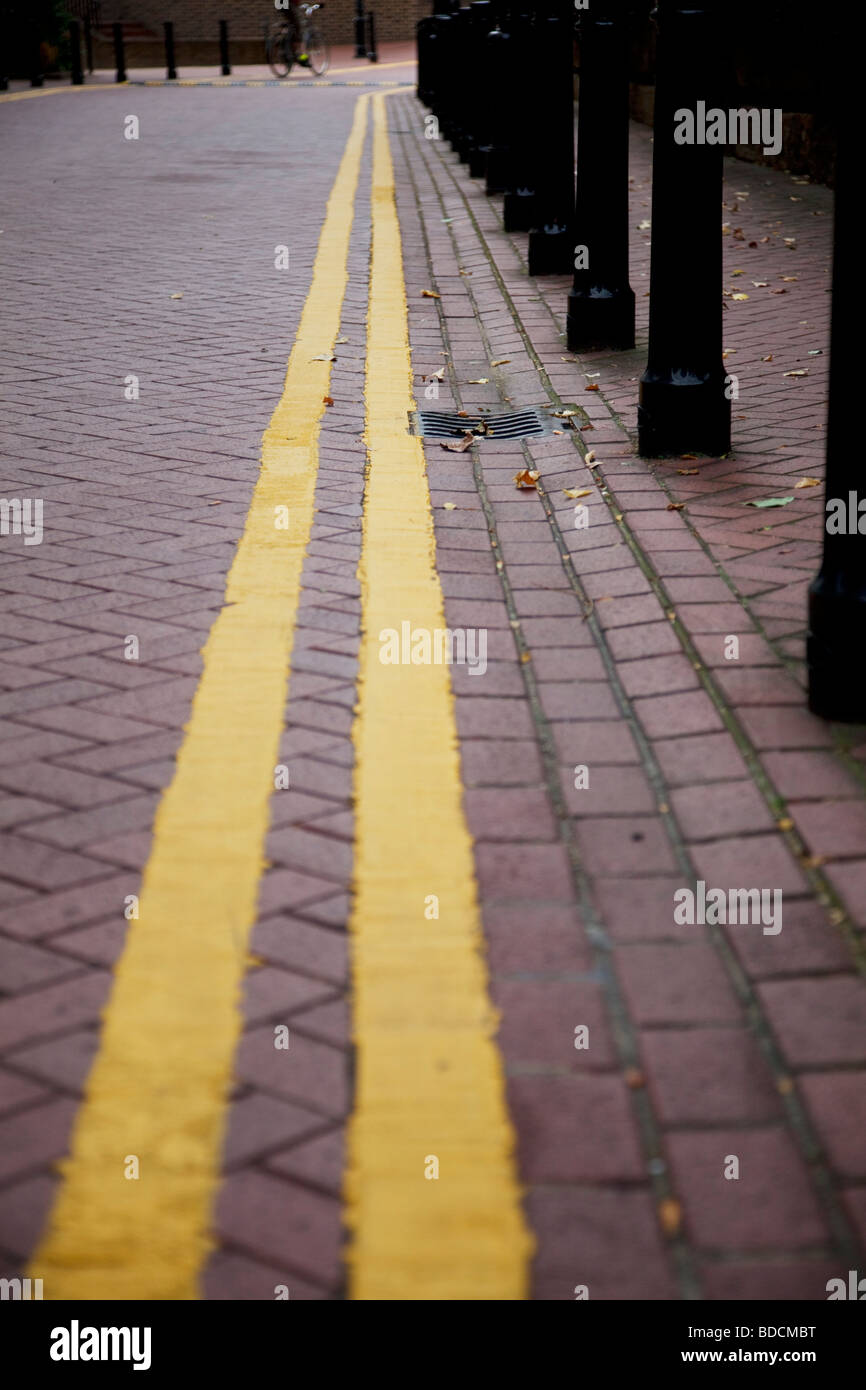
(158, 1089)
(55, 91)
(406, 63)
(430, 1082)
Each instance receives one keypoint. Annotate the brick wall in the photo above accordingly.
(395, 19)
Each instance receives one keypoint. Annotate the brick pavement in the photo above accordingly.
(606, 650)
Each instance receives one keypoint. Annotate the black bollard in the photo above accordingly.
(470, 93)
(170, 69)
(837, 596)
(505, 75)
(360, 30)
(225, 65)
(601, 303)
(372, 51)
(518, 206)
(684, 405)
(75, 53)
(119, 55)
(425, 40)
(551, 235)
(37, 76)
(440, 63)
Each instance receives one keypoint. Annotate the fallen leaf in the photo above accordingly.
(478, 381)
(688, 472)
(328, 400)
(590, 458)
(785, 823)
(527, 478)
(789, 278)
(688, 456)
(778, 291)
(342, 340)
(634, 1078)
(670, 1216)
(450, 506)
(526, 656)
(813, 861)
(760, 284)
(785, 1085)
(739, 297)
(459, 446)
(803, 373)
(584, 428)
(768, 358)
(577, 492)
(177, 296)
(568, 359)
(645, 225)
(438, 375)
(563, 414)
(770, 502)
(500, 362)
(808, 482)
(324, 357)
(675, 506)
(430, 294)
(591, 387)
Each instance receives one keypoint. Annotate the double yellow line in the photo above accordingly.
(430, 1084)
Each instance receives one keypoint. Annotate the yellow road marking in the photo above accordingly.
(55, 91)
(429, 1078)
(158, 1089)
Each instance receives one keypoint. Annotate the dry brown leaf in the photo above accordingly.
(590, 457)
(789, 278)
(526, 656)
(801, 373)
(478, 381)
(688, 472)
(768, 358)
(500, 362)
(670, 1215)
(591, 387)
(430, 294)
(526, 478)
(438, 375)
(785, 823)
(324, 357)
(634, 1078)
(675, 506)
(808, 482)
(577, 492)
(328, 400)
(458, 446)
(177, 296)
(739, 297)
(450, 506)
(584, 428)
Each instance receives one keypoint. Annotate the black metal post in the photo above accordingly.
(119, 55)
(372, 51)
(518, 206)
(75, 53)
(441, 57)
(360, 30)
(550, 237)
(505, 69)
(37, 76)
(88, 43)
(225, 65)
(474, 23)
(170, 69)
(601, 303)
(684, 403)
(837, 596)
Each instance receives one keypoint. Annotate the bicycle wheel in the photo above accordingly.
(278, 52)
(317, 50)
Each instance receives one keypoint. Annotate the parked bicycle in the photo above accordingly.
(297, 39)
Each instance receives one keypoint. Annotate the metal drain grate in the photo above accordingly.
(510, 424)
